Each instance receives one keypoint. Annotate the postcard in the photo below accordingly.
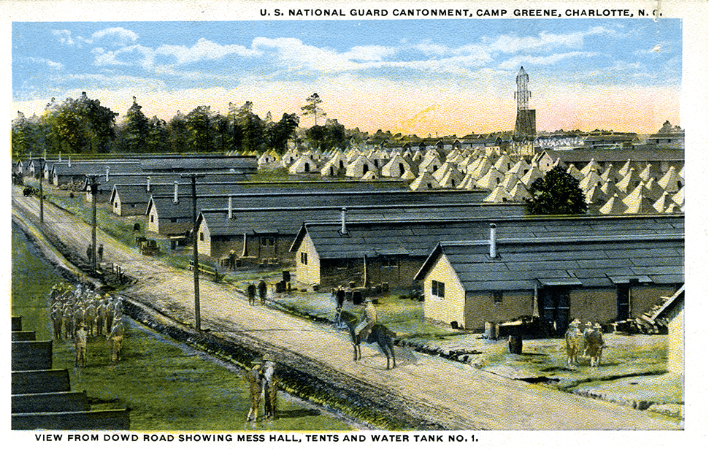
(406, 224)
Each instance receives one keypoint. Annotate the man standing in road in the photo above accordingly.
(251, 294)
(116, 336)
(269, 385)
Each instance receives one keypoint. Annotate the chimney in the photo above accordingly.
(175, 192)
(107, 174)
(60, 156)
(344, 221)
(148, 183)
(230, 207)
(69, 162)
(493, 243)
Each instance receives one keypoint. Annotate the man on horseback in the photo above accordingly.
(370, 317)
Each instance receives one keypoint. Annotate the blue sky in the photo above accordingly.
(424, 76)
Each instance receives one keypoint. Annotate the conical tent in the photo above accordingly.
(592, 165)
(369, 176)
(451, 179)
(498, 195)
(534, 174)
(663, 203)
(576, 174)
(504, 163)
(360, 166)
(520, 168)
(591, 179)
(626, 168)
(396, 167)
(443, 169)
(609, 187)
(303, 164)
(520, 193)
(430, 164)
(635, 195)
(468, 183)
(647, 173)
(642, 205)
(595, 196)
(615, 206)
(652, 190)
(678, 197)
(329, 170)
(490, 180)
(510, 181)
(610, 173)
(628, 182)
(425, 181)
(671, 181)
(408, 175)
(482, 166)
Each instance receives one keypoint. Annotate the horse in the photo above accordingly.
(380, 334)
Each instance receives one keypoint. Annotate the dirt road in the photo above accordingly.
(429, 389)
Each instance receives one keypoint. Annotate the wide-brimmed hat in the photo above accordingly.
(597, 326)
(268, 357)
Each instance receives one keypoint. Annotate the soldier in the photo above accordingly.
(595, 344)
(339, 296)
(109, 315)
(80, 345)
(269, 385)
(100, 253)
(68, 319)
(571, 340)
(262, 291)
(101, 316)
(254, 378)
(56, 316)
(78, 313)
(370, 317)
(90, 316)
(116, 336)
(250, 291)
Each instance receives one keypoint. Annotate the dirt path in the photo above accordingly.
(430, 389)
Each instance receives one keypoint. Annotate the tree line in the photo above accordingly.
(84, 126)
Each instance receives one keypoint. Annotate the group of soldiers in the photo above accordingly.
(263, 385)
(588, 343)
(261, 290)
(78, 313)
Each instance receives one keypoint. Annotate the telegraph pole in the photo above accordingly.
(196, 289)
(42, 199)
(93, 184)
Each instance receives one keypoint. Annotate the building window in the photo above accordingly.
(438, 290)
(151, 218)
(303, 258)
(389, 262)
(201, 236)
(267, 241)
(497, 297)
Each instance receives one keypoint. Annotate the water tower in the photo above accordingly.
(525, 121)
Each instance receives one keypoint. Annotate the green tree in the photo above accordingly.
(157, 140)
(557, 193)
(312, 107)
(82, 125)
(252, 127)
(178, 133)
(137, 128)
(200, 129)
(278, 134)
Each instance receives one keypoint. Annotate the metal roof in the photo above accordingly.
(418, 237)
(241, 164)
(587, 260)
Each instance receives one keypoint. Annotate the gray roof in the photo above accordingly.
(287, 220)
(94, 167)
(417, 238)
(587, 261)
(241, 164)
(327, 198)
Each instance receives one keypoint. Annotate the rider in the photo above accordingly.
(370, 317)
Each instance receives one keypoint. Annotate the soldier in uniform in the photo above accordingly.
(80, 345)
(269, 385)
(370, 317)
(251, 294)
(101, 316)
(68, 319)
(262, 291)
(116, 336)
(90, 316)
(254, 378)
(56, 315)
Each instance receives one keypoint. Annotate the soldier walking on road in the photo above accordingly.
(262, 291)
(56, 316)
(251, 294)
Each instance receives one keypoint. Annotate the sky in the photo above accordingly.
(437, 77)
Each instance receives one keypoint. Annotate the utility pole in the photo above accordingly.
(42, 199)
(196, 289)
(93, 184)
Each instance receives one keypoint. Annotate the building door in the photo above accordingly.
(554, 308)
(623, 302)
